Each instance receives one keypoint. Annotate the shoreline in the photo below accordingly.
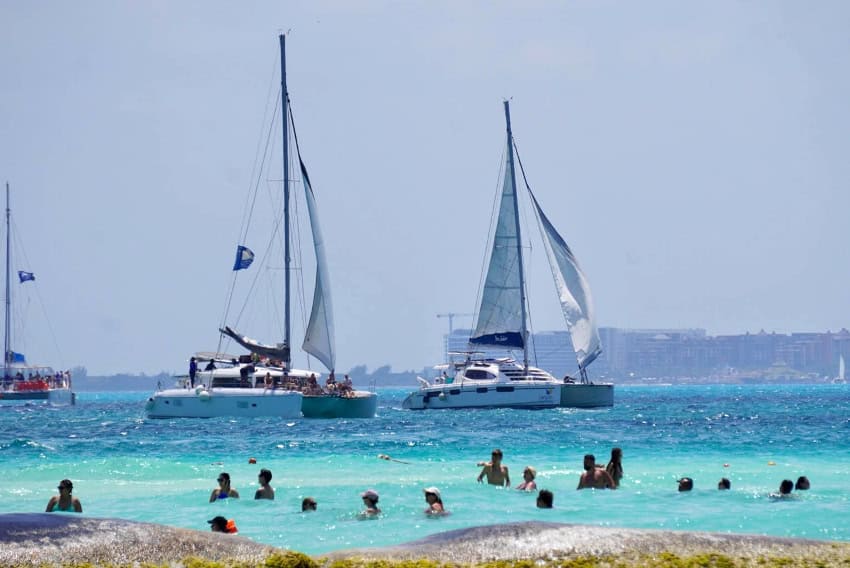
(50, 539)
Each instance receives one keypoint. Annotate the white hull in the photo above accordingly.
(526, 395)
(210, 403)
(53, 396)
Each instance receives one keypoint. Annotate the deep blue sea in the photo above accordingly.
(126, 466)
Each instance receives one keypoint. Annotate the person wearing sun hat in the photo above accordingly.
(370, 500)
(435, 501)
(528, 483)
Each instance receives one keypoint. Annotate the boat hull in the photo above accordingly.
(363, 404)
(210, 403)
(583, 395)
(54, 396)
(531, 396)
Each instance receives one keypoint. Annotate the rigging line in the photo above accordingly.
(482, 279)
(19, 245)
(543, 237)
(248, 213)
(301, 290)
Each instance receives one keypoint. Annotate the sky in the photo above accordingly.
(693, 154)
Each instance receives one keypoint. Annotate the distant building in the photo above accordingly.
(677, 352)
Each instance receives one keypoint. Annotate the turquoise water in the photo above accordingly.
(124, 465)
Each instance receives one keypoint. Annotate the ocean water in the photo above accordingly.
(126, 466)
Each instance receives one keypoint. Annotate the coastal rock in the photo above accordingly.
(555, 541)
(39, 539)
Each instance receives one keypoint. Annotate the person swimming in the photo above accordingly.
(64, 502)
(223, 491)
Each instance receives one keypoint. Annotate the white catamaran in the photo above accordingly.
(264, 383)
(22, 381)
(502, 322)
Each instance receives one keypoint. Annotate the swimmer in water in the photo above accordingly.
(223, 491)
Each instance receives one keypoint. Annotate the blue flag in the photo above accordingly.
(24, 276)
(244, 258)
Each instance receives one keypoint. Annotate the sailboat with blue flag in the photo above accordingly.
(21, 380)
(503, 321)
(264, 382)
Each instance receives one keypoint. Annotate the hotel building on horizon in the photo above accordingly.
(675, 352)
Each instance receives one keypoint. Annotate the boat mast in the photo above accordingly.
(524, 330)
(285, 125)
(7, 345)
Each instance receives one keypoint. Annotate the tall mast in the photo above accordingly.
(285, 124)
(7, 345)
(524, 330)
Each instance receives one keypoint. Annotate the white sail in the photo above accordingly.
(573, 292)
(500, 316)
(319, 337)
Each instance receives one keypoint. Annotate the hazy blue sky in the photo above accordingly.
(694, 155)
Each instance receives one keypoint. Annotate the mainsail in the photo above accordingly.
(573, 292)
(319, 337)
(500, 318)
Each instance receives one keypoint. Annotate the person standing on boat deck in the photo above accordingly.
(615, 466)
(265, 491)
(193, 370)
(496, 473)
(64, 501)
(210, 366)
(224, 491)
(594, 477)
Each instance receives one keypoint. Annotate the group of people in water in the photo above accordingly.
(594, 476)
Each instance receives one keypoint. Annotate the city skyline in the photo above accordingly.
(692, 155)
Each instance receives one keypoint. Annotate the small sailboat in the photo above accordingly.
(264, 382)
(840, 379)
(502, 322)
(22, 381)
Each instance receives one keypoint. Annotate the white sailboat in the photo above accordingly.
(503, 322)
(840, 379)
(20, 380)
(264, 383)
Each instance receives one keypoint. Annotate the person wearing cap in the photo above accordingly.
(370, 500)
(686, 484)
(64, 501)
(223, 525)
(435, 501)
(528, 484)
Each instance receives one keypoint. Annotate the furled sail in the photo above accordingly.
(500, 316)
(573, 292)
(279, 351)
(319, 337)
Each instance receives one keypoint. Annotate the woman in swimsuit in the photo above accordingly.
(224, 490)
(64, 501)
